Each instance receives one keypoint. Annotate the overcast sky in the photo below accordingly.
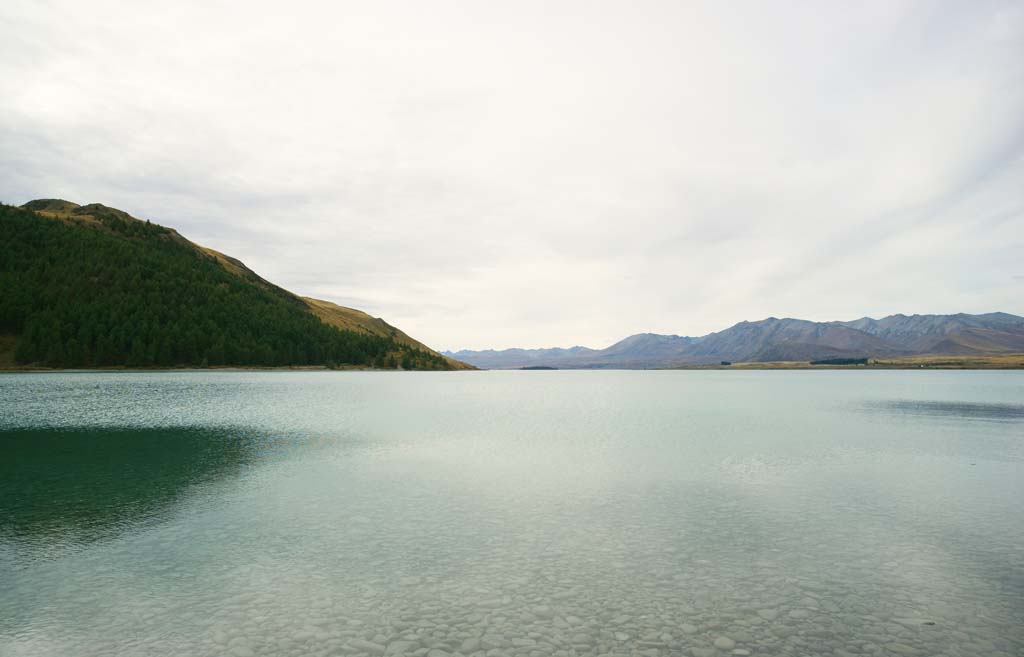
(534, 174)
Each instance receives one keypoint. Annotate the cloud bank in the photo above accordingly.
(493, 174)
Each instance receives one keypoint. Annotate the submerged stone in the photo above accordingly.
(724, 643)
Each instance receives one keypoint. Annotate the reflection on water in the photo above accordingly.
(953, 409)
(510, 514)
(76, 485)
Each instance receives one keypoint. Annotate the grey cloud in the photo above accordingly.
(533, 174)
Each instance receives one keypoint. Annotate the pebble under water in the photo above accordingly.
(512, 514)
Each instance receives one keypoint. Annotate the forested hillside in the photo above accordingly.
(100, 288)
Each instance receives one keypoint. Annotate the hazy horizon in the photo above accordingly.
(538, 175)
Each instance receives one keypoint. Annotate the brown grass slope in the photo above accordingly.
(975, 341)
(356, 320)
(329, 313)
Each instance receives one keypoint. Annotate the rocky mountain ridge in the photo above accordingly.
(787, 339)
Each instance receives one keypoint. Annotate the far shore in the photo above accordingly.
(988, 362)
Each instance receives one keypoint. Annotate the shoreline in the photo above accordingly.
(741, 367)
(303, 368)
(1009, 361)
(768, 366)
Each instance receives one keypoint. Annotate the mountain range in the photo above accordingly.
(774, 339)
(92, 286)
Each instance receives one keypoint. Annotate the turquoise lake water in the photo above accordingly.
(512, 514)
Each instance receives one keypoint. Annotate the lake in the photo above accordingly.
(512, 514)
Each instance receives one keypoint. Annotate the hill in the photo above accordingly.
(92, 286)
(785, 340)
(351, 319)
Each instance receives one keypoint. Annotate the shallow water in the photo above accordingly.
(512, 513)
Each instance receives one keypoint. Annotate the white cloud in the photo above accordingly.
(536, 174)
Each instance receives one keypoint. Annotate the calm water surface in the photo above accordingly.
(512, 514)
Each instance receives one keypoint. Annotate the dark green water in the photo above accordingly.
(501, 514)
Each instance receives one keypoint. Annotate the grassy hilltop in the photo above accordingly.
(91, 286)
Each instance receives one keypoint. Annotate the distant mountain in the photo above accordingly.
(92, 286)
(516, 358)
(947, 334)
(776, 339)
